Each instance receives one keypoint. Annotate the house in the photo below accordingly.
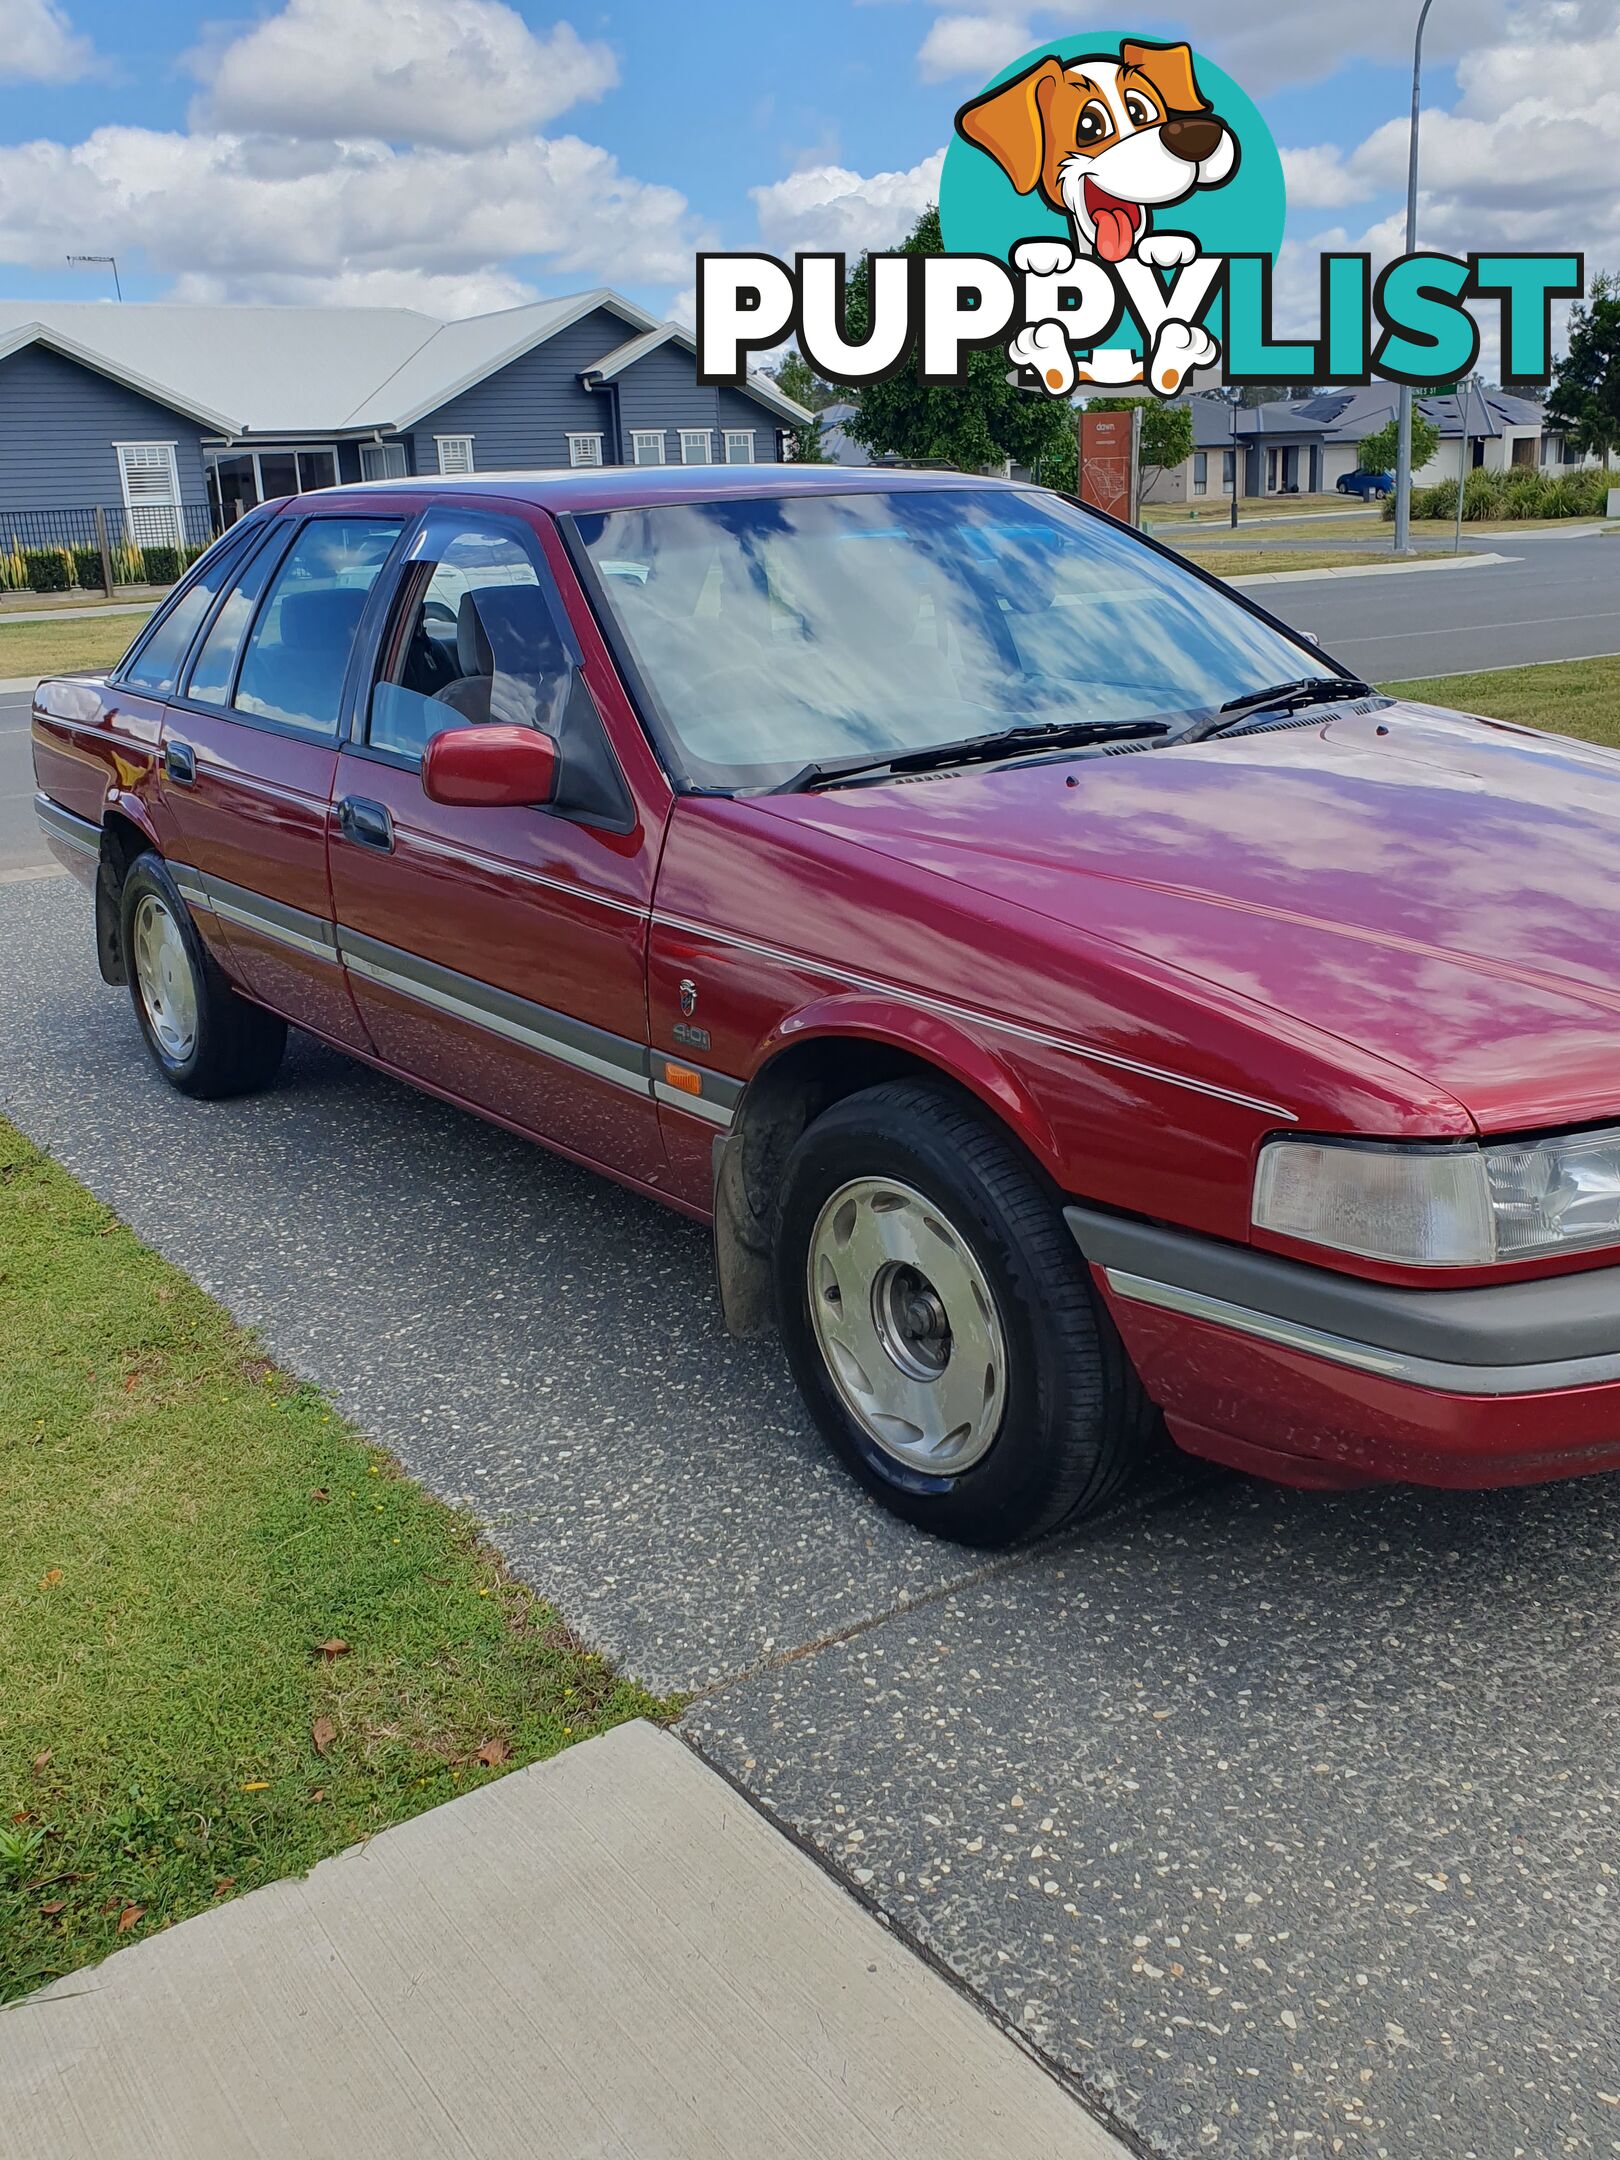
(1283, 448)
(185, 417)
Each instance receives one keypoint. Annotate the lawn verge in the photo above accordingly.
(51, 648)
(1569, 697)
(237, 1638)
(1239, 562)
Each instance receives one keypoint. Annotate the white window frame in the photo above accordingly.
(387, 451)
(592, 457)
(638, 436)
(151, 521)
(448, 446)
(691, 435)
(740, 435)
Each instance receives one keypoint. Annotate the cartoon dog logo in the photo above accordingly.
(1107, 140)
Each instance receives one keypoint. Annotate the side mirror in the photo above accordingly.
(490, 768)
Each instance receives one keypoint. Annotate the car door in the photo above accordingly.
(250, 756)
(498, 954)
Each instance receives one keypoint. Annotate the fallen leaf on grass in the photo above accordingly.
(50, 1911)
(323, 1732)
(225, 1882)
(493, 1753)
(258, 1784)
(336, 1648)
(319, 1793)
(50, 1578)
(42, 1761)
(320, 1493)
(128, 1918)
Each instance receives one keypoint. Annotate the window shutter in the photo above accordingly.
(455, 453)
(151, 493)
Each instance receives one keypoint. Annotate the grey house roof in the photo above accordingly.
(612, 365)
(1351, 414)
(275, 371)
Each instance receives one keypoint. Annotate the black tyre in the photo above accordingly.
(203, 1038)
(941, 1322)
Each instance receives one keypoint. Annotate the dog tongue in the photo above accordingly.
(1115, 230)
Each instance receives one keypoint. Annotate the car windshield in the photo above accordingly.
(773, 632)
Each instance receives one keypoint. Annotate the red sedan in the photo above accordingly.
(1074, 1000)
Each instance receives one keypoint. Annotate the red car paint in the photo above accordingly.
(1398, 922)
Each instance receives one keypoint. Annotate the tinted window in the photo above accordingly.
(475, 639)
(215, 664)
(156, 666)
(298, 652)
(770, 631)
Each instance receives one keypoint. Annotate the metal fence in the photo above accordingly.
(100, 548)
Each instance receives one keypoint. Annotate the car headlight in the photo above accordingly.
(1455, 1207)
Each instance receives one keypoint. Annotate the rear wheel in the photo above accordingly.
(203, 1038)
(941, 1322)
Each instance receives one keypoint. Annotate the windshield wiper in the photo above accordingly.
(972, 749)
(1281, 697)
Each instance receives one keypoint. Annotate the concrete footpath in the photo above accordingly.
(609, 1955)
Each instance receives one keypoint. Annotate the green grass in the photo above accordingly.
(1239, 562)
(1570, 697)
(51, 648)
(186, 1527)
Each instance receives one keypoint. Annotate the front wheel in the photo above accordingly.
(941, 1323)
(203, 1038)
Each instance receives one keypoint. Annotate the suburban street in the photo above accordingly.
(1276, 1823)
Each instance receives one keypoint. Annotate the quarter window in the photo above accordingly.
(584, 449)
(697, 446)
(739, 446)
(156, 666)
(298, 653)
(214, 669)
(647, 448)
(474, 639)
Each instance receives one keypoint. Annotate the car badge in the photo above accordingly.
(688, 996)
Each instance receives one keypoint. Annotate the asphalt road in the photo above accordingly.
(1280, 1824)
(20, 844)
(1559, 601)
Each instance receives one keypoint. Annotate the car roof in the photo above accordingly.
(633, 487)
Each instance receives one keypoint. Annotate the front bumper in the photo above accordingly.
(1318, 1378)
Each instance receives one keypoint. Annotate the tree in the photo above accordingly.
(794, 376)
(1378, 453)
(1167, 434)
(1585, 395)
(970, 427)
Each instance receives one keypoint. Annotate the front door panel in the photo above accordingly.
(497, 954)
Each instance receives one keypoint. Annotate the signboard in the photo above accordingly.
(1108, 462)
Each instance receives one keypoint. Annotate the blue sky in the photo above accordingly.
(463, 153)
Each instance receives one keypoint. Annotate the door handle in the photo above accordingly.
(180, 763)
(366, 824)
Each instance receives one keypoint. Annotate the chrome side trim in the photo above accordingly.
(713, 1113)
(1421, 1372)
(267, 918)
(428, 845)
(974, 1014)
(82, 834)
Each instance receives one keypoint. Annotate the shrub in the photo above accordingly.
(48, 569)
(127, 565)
(161, 565)
(13, 570)
(87, 568)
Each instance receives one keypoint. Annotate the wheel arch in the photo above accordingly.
(810, 1061)
(123, 838)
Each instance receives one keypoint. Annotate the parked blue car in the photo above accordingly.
(1366, 484)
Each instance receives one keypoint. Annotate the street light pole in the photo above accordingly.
(1236, 399)
(1403, 462)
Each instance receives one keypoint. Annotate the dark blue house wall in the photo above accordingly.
(58, 424)
(523, 414)
(663, 392)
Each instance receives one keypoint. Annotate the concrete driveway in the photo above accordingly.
(1282, 1824)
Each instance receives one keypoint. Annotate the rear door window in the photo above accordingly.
(298, 650)
(157, 664)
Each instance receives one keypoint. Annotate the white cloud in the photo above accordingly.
(1318, 179)
(457, 73)
(442, 293)
(249, 214)
(828, 208)
(39, 44)
(973, 44)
